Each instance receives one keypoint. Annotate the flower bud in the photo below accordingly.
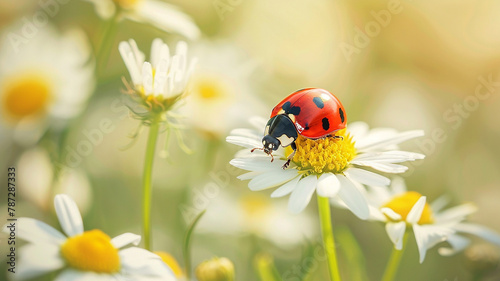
(215, 269)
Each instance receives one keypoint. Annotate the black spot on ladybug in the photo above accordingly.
(287, 107)
(295, 110)
(318, 102)
(326, 124)
(342, 118)
(307, 127)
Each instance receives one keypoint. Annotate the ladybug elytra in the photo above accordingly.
(313, 113)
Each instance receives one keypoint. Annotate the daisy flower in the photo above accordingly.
(255, 214)
(43, 81)
(157, 84)
(82, 255)
(164, 16)
(402, 210)
(220, 84)
(40, 184)
(333, 167)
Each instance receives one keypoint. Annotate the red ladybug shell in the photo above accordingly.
(315, 112)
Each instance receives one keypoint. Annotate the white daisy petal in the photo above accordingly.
(416, 211)
(125, 239)
(353, 198)
(138, 55)
(367, 177)
(137, 261)
(166, 17)
(358, 130)
(249, 175)
(32, 265)
(398, 186)
(68, 215)
(376, 214)
(36, 231)
(396, 232)
(271, 179)
(328, 185)
(286, 188)
(480, 231)
(457, 242)
(387, 140)
(456, 214)
(130, 62)
(256, 164)
(383, 167)
(392, 156)
(302, 194)
(429, 235)
(243, 141)
(160, 78)
(156, 46)
(438, 204)
(147, 78)
(391, 214)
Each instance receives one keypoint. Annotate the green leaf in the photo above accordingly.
(353, 253)
(187, 243)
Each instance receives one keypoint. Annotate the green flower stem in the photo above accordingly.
(394, 261)
(327, 234)
(147, 181)
(105, 43)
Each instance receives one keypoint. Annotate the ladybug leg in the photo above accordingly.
(290, 157)
(337, 137)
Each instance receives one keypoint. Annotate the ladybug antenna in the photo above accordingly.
(257, 148)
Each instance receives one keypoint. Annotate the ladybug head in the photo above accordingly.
(280, 130)
(270, 144)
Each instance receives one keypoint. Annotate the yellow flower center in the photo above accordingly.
(171, 262)
(126, 4)
(91, 251)
(402, 205)
(209, 87)
(323, 155)
(26, 96)
(255, 206)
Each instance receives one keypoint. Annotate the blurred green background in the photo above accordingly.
(417, 68)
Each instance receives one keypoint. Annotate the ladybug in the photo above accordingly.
(313, 113)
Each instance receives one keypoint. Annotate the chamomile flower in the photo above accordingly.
(82, 255)
(220, 84)
(44, 81)
(402, 210)
(255, 214)
(333, 167)
(162, 15)
(157, 84)
(39, 185)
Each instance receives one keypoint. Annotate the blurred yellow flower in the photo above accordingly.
(39, 184)
(220, 95)
(169, 260)
(42, 80)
